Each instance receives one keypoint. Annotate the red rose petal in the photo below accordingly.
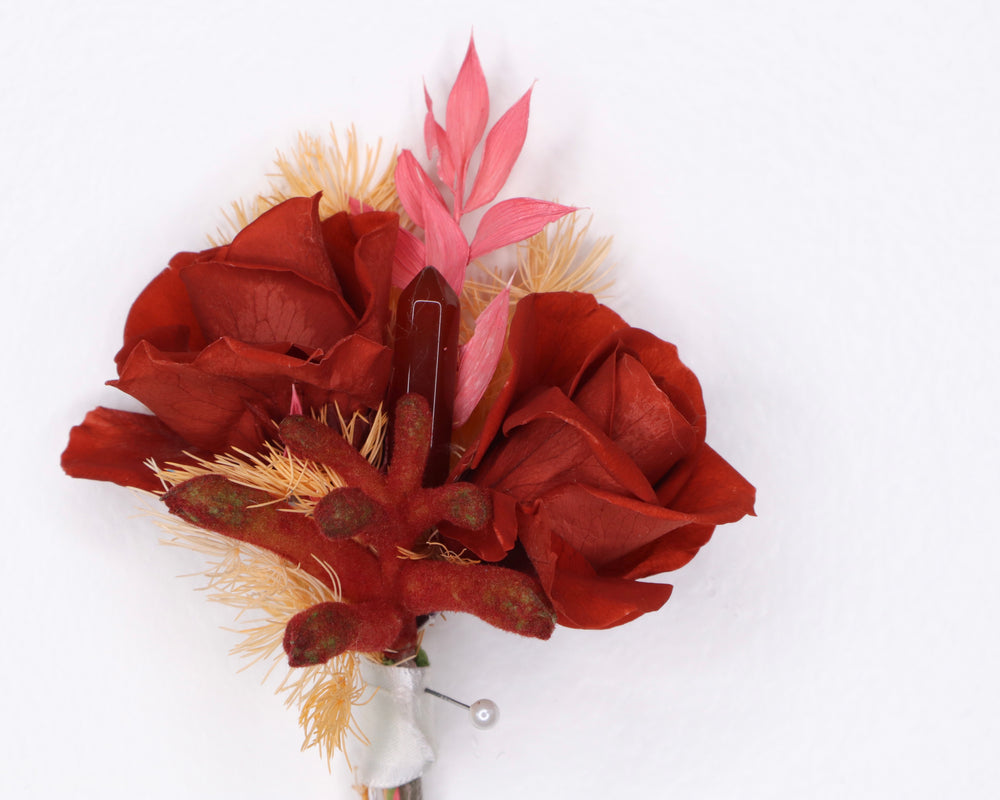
(541, 352)
(671, 551)
(556, 332)
(209, 411)
(169, 339)
(261, 306)
(207, 401)
(162, 314)
(361, 248)
(625, 403)
(111, 445)
(602, 526)
(288, 237)
(583, 598)
(715, 492)
(551, 442)
(353, 374)
(675, 380)
(597, 603)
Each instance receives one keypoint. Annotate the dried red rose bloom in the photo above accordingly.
(216, 341)
(596, 458)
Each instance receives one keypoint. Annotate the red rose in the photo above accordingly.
(595, 452)
(216, 341)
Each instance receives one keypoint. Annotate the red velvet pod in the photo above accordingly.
(412, 431)
(505, 598)
(328, 629)
(307, 438)
(345, 513)
(462, 504)
(251, 515)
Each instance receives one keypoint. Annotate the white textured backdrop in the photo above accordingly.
(805, 199)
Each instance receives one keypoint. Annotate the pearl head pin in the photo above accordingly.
(484, 713)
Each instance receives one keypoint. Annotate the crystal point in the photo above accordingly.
(425, 359)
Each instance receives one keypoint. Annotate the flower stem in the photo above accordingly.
(409, 791)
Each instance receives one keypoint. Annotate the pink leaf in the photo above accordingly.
(431, 127)
(355, 206)
(295, 407)
(415, 187)
(445, 245)
(466, 115)
(503, 146)
(437, 139)
(480, 356)
(408, 259)
(513, 221)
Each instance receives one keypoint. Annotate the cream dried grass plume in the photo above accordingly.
(320, 165)
(299, 482)
(557, 259)
(267, 590)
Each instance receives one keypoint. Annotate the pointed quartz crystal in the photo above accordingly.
(425, 359)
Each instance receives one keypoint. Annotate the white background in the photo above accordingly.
(804, 198)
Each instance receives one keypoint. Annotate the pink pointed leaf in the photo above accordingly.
(295, 407)
(466, 115)
(437, 140)
(445, 245)
(431, 127)
(408, 259)
(415, 188)
(480, 356)
(513, 221)
(355, 206)
(503, 146)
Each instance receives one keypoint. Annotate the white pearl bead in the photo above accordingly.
(484, 713)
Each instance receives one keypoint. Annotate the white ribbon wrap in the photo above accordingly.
(397, 723)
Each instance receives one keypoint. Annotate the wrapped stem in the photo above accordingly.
(410, 791)
(397, 724)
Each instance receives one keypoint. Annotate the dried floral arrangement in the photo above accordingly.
(360, 433)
